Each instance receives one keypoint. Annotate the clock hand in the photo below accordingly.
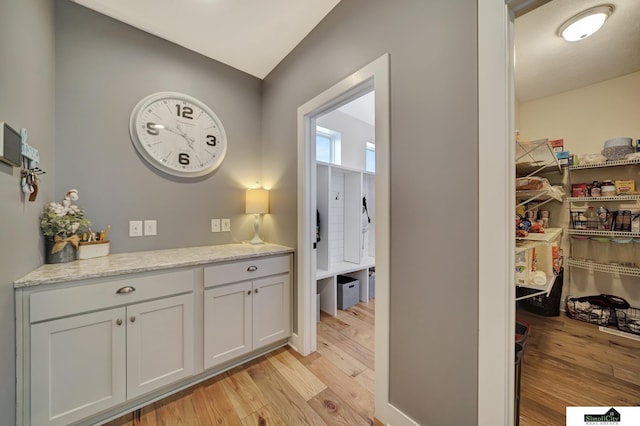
(178, 131)
(189, 139)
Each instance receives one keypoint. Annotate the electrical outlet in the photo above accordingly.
(226, 225)
(150, 227)
(135, 228)
(215, 225)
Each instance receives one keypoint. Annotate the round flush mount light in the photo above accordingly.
(585, 23)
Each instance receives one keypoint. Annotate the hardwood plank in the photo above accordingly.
(177, 410)
(301, 379)
(335, 411)
(340, 358)
(350, 391)
(213, 405)
(304, 360)
(265, 416)
(333, 322)
(367, 379)
(348, 345)
(360, 312)
(243, 394)
(284, 399)
(147, 416)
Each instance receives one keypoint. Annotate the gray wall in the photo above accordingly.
(103, 68)
(26, 100)
(434, 243)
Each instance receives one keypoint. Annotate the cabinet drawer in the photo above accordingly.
(60, 302)
(226, 273)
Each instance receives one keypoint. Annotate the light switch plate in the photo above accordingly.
(226, 225)
(150, 227)
(215, 225)
(135, 228)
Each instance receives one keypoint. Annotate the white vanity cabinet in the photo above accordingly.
(99, 338)
(247, 306)
(95, 346)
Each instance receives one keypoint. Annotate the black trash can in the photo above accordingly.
(518, 373)
(522, 333)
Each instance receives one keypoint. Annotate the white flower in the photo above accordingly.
(72, 194)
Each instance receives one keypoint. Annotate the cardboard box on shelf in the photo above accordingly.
(557, 145)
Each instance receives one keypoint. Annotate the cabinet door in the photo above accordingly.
(77, 366)
(271, 310)
(160, 345)
(227, 322)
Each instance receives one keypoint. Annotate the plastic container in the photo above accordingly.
(622, 252)
(580, 247)
(600, 249)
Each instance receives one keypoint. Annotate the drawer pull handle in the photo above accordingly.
(125, 290)
(119, 321)
(133, 318)
(252, 268)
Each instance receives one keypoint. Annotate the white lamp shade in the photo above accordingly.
(257, 201)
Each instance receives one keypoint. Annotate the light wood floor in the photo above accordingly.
(571, 363)
(333, 386)
(566, 363)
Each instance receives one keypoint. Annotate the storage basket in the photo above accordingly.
(548, 306)
(629, 320)
(600, 309)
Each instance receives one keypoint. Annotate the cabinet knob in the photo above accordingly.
(125, 290)
(248, 292)
(132, 319)
(119, 321)
(252, 268)
(256, 291)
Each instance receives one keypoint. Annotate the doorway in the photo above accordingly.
(374, 76)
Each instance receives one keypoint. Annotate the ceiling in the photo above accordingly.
(255, 35)
(250, 35)
(546, 64)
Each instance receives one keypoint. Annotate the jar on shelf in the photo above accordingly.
(607, 189)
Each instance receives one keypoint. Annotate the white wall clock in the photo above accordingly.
(178, 134)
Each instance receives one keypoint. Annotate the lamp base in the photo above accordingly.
(256, 240)
(256, 236)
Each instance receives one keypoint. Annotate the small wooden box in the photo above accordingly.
(88, 250)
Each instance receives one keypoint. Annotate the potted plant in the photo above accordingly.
(60, 224)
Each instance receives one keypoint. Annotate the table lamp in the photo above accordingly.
(257, 203)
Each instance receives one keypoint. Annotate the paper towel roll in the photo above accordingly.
(538, 278)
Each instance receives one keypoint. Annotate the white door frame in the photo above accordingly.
(496, 189)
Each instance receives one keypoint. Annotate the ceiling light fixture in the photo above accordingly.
(585, 23)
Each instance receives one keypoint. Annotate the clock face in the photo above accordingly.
(178, 134)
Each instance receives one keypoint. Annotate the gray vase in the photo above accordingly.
(67, 254)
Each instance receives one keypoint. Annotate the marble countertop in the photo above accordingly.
(143, 261)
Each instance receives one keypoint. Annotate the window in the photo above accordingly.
(371, 157)
(328, 146)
